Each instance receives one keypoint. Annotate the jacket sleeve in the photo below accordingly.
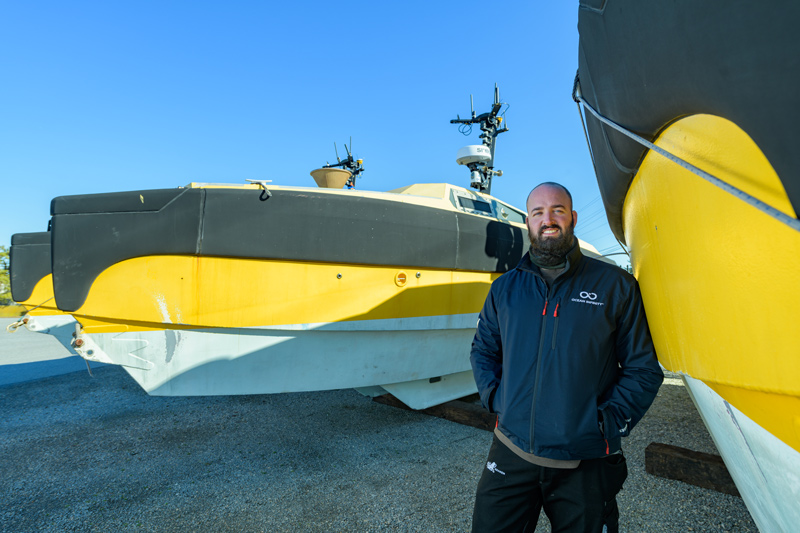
(487, 353)
(639, 375)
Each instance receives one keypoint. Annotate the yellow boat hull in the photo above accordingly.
(720, 282)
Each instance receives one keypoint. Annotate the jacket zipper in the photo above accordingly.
(538, 369)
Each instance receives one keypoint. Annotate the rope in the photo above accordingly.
(586, 134)
(41, 304)
(727, 187)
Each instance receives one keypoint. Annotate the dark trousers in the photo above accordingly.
(512, 493)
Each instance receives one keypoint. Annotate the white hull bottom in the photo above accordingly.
(423, 361)
(766, 471)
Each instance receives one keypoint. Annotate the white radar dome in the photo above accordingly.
(476, 153)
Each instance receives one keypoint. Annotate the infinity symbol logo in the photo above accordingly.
(589, 295)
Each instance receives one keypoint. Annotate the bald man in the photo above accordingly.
(563, 355)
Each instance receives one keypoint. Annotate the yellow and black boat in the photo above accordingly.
(249, 289)
(692, 117)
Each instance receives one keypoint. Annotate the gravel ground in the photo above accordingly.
(97, 454)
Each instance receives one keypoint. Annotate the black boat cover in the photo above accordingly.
(30, 262)
(647, 63)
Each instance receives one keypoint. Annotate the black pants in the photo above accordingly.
(512, 493)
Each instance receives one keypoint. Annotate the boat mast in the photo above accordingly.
(481, 164)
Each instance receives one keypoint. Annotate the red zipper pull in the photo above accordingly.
(544, 311)
(555, 313)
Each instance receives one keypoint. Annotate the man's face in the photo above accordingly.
(551, 221)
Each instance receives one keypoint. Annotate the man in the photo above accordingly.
(564, 356)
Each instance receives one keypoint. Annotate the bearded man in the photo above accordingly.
(563, 355)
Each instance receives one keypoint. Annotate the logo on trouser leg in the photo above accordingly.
(492, 466)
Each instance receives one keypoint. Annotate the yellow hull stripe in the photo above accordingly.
(191, 291)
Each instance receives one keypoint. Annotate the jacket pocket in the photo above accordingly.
(605, 422)
(496, 399)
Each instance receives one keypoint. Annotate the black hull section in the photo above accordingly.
(30, 262)
(92, 232)
(648, 63)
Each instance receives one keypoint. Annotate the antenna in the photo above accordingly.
(476, 158)
(354, 166)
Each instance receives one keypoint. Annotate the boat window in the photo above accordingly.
(476, 205)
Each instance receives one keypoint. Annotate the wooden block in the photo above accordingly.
(696, 468)
(391, 401)
(464, 411)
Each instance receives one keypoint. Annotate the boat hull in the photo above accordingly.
(423, 361)
(719, 280)
(766, 471)
(719, 277)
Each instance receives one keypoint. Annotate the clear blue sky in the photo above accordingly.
(111, 96)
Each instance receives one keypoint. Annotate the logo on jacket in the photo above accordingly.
(492, 466)
(587, 297)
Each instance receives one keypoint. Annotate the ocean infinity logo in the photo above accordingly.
(587, 297)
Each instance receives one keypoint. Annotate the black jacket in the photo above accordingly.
(557, 365)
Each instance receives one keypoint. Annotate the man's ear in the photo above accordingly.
(574, 218)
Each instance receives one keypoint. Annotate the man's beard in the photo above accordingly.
(552, 251)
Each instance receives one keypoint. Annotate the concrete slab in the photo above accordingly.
(97, 454)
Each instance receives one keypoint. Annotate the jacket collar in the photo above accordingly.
(574, 257)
